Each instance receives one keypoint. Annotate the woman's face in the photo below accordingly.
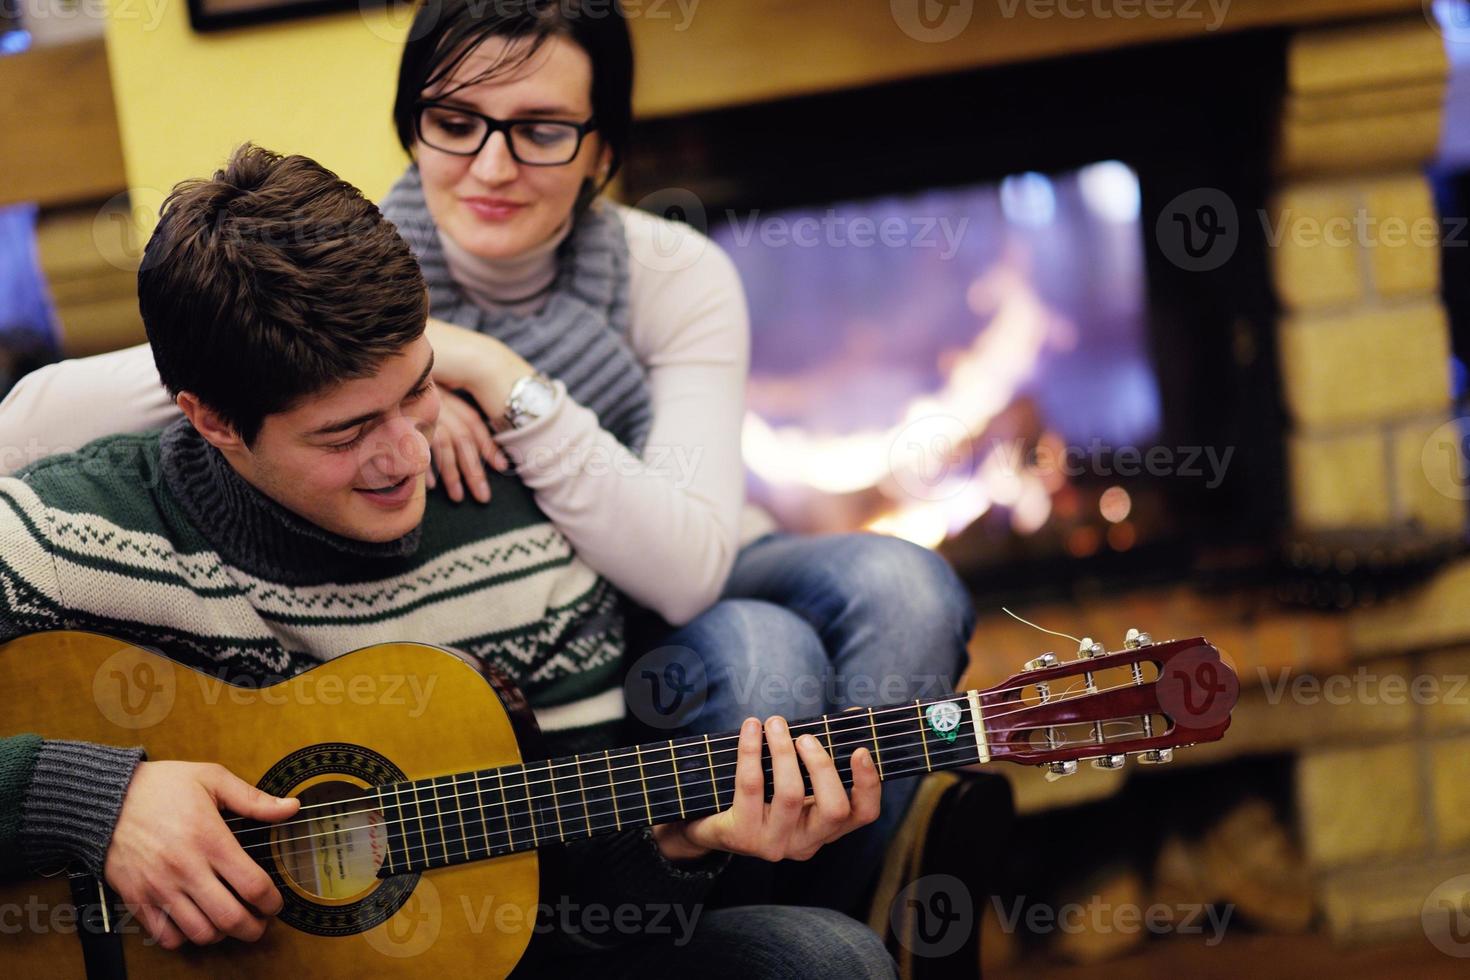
(489, 204)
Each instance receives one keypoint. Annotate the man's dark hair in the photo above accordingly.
(271, 281)
(446, 32)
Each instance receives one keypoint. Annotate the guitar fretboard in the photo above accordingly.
(469, 816)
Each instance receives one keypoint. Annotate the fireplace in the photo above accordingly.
(1323, 552)
(966, 329)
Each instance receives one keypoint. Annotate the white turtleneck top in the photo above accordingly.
(664, 529)
(519, 285)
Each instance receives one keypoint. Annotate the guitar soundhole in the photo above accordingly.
(327, 881)
(336, 853)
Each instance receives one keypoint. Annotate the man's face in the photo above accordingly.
(353, 459)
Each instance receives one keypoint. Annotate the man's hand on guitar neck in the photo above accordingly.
(174, 861)
(788, 826)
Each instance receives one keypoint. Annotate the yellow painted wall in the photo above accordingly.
(320, 86)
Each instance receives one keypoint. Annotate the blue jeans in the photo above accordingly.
(808, 626)
(753, 942)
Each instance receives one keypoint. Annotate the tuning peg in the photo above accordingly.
(1056, 770)
(1041, 662)
(1087, 648)
(1135, 639)
(1109, 762)
(1156, 757)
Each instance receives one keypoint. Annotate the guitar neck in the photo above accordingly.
(487, 813)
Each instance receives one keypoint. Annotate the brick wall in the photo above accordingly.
(1364, 340)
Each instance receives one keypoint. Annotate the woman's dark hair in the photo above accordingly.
(271, 281)
(445, 32)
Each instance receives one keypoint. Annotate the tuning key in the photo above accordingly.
(1056, 770)
(1041, 663)
(1088, 648)
(1109, 762)
(1156, 757)
(1135, 638)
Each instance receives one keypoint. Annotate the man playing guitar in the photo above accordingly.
(286, 522)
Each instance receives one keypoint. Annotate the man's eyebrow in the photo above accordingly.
(332, 428)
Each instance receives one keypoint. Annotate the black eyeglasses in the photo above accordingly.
(534, 142)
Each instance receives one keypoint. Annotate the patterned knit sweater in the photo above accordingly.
(155, 539)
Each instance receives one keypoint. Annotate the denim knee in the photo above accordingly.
(913, 598)
(757, 659)
(931, 592)
(800, 943)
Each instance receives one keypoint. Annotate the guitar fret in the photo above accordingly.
(923, 736)
(439, 815)
(877, 757)
(850, 731)
(612, 785)
(464, 835)
(423, 831)
(555, 803)
(510, 840)
(388, 826)
(484, 817)
(582, 786)
(530, 808)
(439, 819)
(828, 729)
(598, 797)
(647, 804)
(714, 783)
(674, 762)
(406, 827)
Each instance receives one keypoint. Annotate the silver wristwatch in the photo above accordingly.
(530, 398)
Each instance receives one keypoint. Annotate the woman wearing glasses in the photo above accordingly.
(608, 349)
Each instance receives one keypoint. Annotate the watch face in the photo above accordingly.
(535, 399)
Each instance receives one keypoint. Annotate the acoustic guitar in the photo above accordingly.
(423, 805)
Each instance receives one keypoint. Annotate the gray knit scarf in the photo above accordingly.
(580, 336)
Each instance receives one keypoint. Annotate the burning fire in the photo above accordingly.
(928, 474)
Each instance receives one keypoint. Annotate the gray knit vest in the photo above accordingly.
(580, 336)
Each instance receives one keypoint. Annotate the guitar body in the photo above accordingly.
(381, 714)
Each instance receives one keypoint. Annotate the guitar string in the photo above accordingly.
(545, 777)
(577, 833)
(525, 830)
(1019, 619)
(795, 727)
(958, 696)
(457, 796)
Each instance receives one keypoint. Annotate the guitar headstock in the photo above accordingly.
(1146, 699)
